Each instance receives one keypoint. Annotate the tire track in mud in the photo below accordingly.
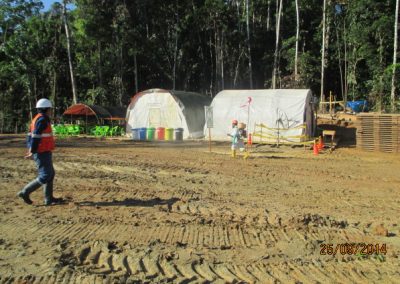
(204, 220)
(216, 237)
(193, 235)
(139, 172)
(113, 166)
(128, 178)
(154, 267)
(101, 261)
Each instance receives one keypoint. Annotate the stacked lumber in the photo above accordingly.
(378, 132)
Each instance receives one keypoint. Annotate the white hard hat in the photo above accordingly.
(44, 103)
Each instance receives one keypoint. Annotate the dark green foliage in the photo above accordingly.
(198, 45)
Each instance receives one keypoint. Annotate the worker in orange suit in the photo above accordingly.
(40, 146)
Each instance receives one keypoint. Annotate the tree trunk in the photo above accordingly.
(340, 61)
(212, 67)
(222, 62)
(54, 90)
(269, 16)
(35, 87)
(100, 63)
(235, 78)
(297, 41)
(71, 70)
(323, 59)
(2, 123)
(393, 89)
(278, 24)
(56, 45)
(381, 59)
(345, 67)
(248, 44)
(30, 103)
(121, 73)
(175, 53)
(5, 33)
(217, 58)
(136, 73)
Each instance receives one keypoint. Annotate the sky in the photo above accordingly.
(47, 4)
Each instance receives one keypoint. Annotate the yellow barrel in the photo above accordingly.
(169, 134)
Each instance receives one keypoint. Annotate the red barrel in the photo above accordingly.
(160, 133)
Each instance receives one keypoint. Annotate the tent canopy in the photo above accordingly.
(83, 110)
(117, 113)
(279, 108)
(166, 108)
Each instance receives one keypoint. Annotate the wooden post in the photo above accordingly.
(209, 139)
(248, 123)
(278, 135)
(330, 102)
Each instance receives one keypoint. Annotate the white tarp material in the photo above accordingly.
(279, 108)
(169, 109)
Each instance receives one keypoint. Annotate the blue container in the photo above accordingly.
(135, 133)
(142, 133)
(358, 106)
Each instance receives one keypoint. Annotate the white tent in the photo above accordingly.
(166, 108)
(285, 109)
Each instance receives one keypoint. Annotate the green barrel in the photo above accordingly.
(169, 134)
(150, 133)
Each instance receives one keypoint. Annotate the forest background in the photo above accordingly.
(104, 51)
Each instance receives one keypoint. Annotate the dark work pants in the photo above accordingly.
(46, 173)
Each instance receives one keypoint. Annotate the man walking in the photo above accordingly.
(40, 147)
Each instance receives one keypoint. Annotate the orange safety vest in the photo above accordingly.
(47, 141)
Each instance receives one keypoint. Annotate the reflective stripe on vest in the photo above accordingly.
(40, 135)
(46, 138)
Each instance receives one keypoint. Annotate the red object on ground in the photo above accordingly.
(160, 133)
(320, 144)
(249, 139)
(316, 151)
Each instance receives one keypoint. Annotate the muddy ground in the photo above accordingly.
(161, 213)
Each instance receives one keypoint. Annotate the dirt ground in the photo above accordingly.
(175, 213)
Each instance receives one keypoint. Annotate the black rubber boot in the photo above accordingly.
(49, 199)
(48, 192)
(25, 197)
(28, 189)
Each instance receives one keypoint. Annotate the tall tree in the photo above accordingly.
(249, 45)
(277, 35)
(71, 68)
(120, 47)
(323, 57)
(393, 86)
(175, 51)
(297, 40)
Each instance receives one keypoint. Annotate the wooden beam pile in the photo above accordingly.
(378, 132)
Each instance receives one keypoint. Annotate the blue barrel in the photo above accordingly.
(178, 134)
(142, 133)
(135, 133)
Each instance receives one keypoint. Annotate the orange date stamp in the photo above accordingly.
(353, 249)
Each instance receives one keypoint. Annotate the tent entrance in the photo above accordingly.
(155, 119)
